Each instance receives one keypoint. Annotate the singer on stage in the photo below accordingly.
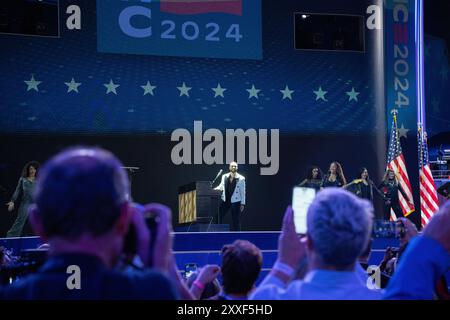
(232, 186)
(363, 187)
(391, 187)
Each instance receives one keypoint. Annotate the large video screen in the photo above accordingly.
(30, 17)
(329, 32)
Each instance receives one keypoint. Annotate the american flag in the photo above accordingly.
(428, 195)
(396, 162)
(202, 6)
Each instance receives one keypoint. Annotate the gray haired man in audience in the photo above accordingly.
(339, 226)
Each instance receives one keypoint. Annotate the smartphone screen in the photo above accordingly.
(301, 200)
(189, 269)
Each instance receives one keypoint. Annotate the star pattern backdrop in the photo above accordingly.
(63, 85)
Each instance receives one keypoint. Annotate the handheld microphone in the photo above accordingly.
(218, 175)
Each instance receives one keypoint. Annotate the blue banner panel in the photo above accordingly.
(212, 29)
(400, 54)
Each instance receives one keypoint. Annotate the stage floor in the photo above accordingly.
(203, 248)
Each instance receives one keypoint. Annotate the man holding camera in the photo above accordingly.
(82, 210)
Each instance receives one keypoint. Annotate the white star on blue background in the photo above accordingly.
(320, 94)
(403, 132)
(253, 92)
(218, 92)
(287, 94)
(111, 87)
(148, 89)
(72, 86)
(184, 90)
(353, 95)
(32, 84)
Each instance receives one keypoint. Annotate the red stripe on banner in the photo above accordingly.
(405, 34)
(188, 7)
(401, 36)
(395, 34)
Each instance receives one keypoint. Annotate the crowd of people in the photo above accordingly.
(82, 209)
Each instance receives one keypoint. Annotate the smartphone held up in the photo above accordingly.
(301, 200)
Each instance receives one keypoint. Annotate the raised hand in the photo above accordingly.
(291, 248)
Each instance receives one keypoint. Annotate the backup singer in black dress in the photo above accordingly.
(390, 188)
(335, 176)
(313, 178)
(362, 186)
(23, 194)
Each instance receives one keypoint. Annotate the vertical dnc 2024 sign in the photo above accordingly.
(400, 57)
(188, 28)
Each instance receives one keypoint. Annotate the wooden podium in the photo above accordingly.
(198, 202)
